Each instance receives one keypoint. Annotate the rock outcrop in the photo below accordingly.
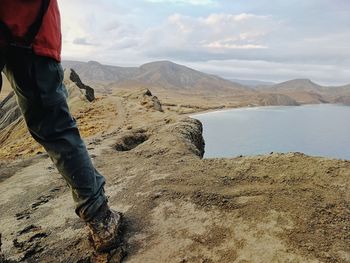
(190, 131)
(146, 99)
(89, 92)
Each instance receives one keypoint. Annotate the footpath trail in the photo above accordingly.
(178, 207)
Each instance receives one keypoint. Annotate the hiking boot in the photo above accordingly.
(105, 229)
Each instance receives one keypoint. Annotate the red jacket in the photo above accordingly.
(20, 14)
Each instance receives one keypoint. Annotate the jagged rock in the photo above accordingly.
(147, 99)
(156, 104)
(139, 94)
(147, 93)
(88, 91)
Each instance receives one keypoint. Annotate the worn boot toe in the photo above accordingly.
(105, 231)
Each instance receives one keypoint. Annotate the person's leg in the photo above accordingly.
(41, 95)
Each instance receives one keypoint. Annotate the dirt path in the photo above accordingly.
(178, 207)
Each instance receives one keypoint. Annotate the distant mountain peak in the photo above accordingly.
(163, 64)
(301, 81)
(92, 63)
(301, 90)
(160, 62)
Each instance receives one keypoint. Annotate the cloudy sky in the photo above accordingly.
(273, 40)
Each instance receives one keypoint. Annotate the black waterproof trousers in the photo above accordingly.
(41, 95)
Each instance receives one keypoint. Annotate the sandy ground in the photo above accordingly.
(179, 208)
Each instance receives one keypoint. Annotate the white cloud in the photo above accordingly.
(224, 44)
(188, 2)
(241, 45)
(330, 74)
(99, 30)
(102, 26)
(214, 34)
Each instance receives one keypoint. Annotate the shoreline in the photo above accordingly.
(264, 143)
(191, 115)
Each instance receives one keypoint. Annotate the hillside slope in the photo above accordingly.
(179, 207)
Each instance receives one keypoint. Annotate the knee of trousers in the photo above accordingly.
(53, 124)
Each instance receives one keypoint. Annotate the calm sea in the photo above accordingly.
(317, 130)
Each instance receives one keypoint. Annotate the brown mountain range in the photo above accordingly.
(305, 91)
(174, 83)
(164, 75)
(180, 85)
